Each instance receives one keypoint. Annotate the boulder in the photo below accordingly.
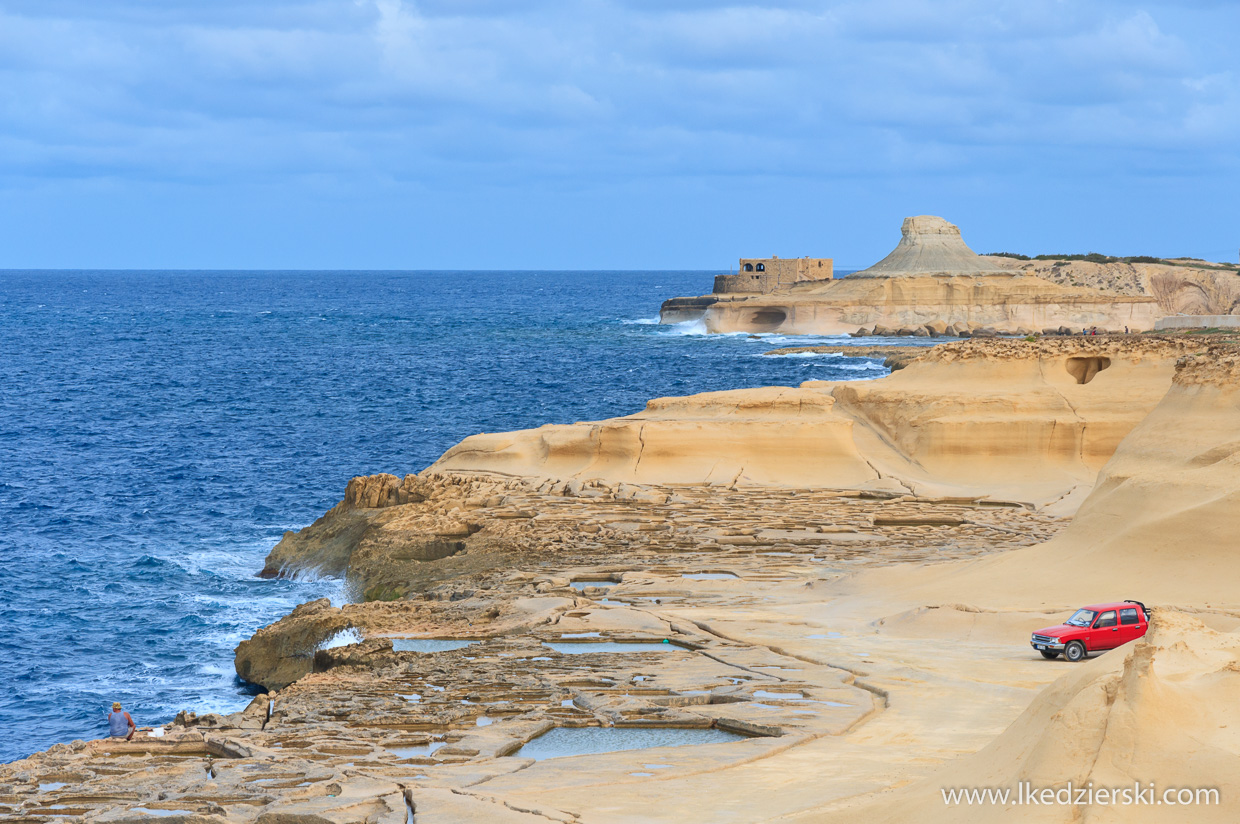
(938, 328)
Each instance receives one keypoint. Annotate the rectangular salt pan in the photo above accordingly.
(428, 644)
(562, 742)
(417, 750)
(581, 648)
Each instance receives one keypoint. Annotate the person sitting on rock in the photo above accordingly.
(120, 725)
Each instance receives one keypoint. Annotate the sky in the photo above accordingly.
(609, 134)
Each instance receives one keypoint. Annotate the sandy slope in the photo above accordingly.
(1164, 711)
(1161, 525)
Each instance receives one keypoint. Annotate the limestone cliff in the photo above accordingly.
(1001, 302)
(931, 277)
(1179, 286)
(1160, 524)
(1162, 519)
(1032, 422)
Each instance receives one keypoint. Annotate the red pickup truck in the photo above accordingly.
(1095, 628)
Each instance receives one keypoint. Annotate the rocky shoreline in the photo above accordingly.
(862, 641)
(933, 285)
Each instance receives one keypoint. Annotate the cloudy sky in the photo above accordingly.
(414, 134)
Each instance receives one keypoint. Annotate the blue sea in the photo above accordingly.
(159, 431)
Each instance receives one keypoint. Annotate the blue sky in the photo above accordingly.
(609, 133)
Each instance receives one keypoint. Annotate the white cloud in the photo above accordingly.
(604, 88)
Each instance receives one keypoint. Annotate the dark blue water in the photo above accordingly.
(159, 431)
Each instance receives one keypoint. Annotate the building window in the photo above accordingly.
(748, 267)
(761, 267)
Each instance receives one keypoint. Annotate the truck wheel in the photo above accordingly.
(1075, 651)
(1049, 655)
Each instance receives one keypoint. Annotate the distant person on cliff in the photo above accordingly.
(120, 725)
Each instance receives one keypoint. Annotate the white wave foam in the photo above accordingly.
(344, 638)
(803, 355)
(640, 322)
(303, 575)
(686, 327)
(804, 340)
(697, 329)
(858, 367)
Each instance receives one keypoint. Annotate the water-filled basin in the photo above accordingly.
(160, 813)
(583, 647)
(567, 741)
(417, 751)
(786, 696)
(429, 644)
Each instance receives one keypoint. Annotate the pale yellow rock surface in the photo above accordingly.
(1180, 287)
(1160, 526)
(1007, 420)
(873, 672)
(1004, 302)
(932, 281)
(1160, 714)
(929, 245)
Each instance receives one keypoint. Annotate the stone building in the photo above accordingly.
(766, 275)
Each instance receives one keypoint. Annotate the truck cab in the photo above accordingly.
(1095, 628)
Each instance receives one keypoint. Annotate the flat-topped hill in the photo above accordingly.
(930, 245)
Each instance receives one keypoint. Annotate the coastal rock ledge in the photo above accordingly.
(837, 647)
(933, 281)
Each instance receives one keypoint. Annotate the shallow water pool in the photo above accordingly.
(417, 750)
(581, 648)
(160, 813)
(429, 644)
(787, 696)
(562, 742)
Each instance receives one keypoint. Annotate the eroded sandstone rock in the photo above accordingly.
(279, 654)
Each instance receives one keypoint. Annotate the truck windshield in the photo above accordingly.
(1082, 618)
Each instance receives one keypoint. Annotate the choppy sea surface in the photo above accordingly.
(160, 430)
